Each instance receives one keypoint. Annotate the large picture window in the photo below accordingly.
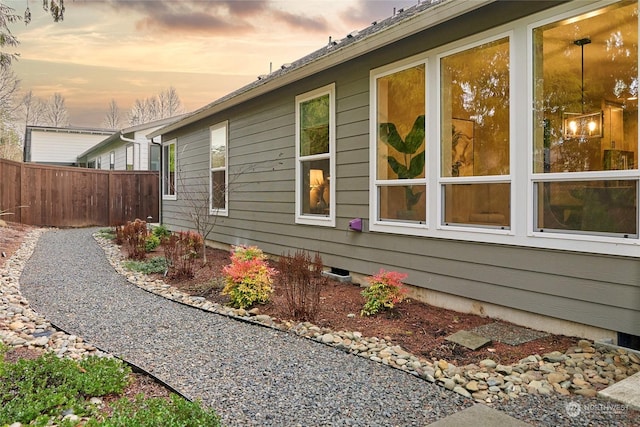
(585, 150)
(315, 146)
(169, 175)
(400, 179)
(218, 170)
(474, 142)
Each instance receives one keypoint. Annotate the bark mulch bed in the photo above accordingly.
(418, 327)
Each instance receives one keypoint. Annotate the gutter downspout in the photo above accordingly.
(134, 142)
(160, 179)
(125, 139)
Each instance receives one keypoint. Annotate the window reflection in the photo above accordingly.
(593, 206)
(475, 111)
(586, 92)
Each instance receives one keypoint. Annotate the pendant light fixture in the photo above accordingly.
(581, 125)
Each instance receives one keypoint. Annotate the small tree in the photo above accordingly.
(112, 119)
(56, 111)
(201, 194)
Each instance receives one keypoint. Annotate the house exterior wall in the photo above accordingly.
(59, 147)
(141, 150)
(596, 289)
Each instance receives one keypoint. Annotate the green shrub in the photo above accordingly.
(177, 412)
(161, 232)
(384, 291)
(151, 243)
(248, 280)
(154, 265)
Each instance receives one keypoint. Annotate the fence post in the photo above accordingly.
(21, 177)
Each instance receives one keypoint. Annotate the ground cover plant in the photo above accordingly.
(46, 390)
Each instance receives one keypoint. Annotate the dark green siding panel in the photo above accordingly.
(594, 289)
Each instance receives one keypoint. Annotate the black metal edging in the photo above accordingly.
(134, 368)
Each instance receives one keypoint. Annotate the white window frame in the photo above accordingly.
(112, 160)
(570, 239)
(489, 179)
(218, 211)
(301, 218)
(397, 226)
(173, 196)
(521, 175)
(376, 224)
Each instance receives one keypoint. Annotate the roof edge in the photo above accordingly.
(435, 15)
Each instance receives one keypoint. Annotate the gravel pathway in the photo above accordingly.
(250, 375)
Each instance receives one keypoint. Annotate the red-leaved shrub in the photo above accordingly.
(302, 280)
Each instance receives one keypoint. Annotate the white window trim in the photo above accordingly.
(330, 220)
(375, 183)
(521, 149)
(614, 245)
(217, 211)
(174, 196)
(499, 179)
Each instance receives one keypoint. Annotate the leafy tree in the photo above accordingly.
(7, 16)
(55, 7)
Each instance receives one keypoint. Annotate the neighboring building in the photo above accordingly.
(59, 146)
(127, 149)
(489, 148)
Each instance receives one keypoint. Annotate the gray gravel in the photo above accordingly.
(249, 374)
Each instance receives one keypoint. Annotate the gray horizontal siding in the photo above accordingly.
(593, 289)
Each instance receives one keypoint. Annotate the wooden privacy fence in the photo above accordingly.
(76, 197)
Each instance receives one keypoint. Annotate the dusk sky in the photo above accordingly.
(129, 49)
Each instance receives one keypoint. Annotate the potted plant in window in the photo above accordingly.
(409, 163)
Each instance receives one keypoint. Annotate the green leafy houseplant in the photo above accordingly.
(384, 291)
(248, 280)
(410, 162)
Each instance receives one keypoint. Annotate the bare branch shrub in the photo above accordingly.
(302, 280)
(181, 250)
